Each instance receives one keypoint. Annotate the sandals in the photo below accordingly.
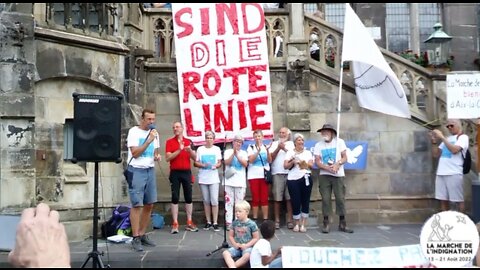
(290, 225)
(277, 225)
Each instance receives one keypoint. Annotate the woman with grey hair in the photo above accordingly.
(236, 160)
(299, 162)
(209, 159)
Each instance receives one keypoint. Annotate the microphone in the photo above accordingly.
(151, 127)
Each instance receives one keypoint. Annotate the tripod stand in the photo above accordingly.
(94, 254)
(224, 243)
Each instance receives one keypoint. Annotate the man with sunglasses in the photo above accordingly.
(450, 149)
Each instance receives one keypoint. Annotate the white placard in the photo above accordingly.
(463, 95)
(410, 256)
(223, 69)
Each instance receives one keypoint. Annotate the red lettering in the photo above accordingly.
(247, 47)
(245, 20)
(188, 28)
(200, 54)
(212, 73)
(205, 19)
(231, 14)
(219, 117)
(242, 116)
(234, 73)
(253, 78)
(206, 117)
(189, 124)
(221, 57)
(256, 114)
(189, 81)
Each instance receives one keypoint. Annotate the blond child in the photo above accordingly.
(243, 235)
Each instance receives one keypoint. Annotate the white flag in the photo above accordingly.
(377, 86)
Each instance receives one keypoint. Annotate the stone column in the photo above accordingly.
(17, 106)
(296, 18)
(414, 29)
(298, 73)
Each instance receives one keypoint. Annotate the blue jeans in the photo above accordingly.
(276, 263)
(237, 253)
(300, 196)
(144, 186)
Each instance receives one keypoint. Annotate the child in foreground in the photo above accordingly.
(261, 255)
(243, 235)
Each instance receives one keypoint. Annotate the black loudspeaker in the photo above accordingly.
(96, 128)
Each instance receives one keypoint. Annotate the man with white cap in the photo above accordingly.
(330, 155)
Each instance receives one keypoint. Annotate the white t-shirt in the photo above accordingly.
(255, 169)
(277, 164)
(261, 248)
(450, 164)
(296, 173)
(239, 179)
(208, 156)
(136, 137)
(330, 152)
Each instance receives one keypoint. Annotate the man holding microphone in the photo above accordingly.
(144, 149)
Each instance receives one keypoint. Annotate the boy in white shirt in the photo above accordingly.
(262, 255)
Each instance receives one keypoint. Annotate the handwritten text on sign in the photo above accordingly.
(333, 257)
(222, 68)
(463, 95)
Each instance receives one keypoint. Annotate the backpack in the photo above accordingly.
(119, 222)
(467, 160)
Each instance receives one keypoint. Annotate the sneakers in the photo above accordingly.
(137, 244)
(146, 241)
(326, 227)
(303, 229)
(296, 228)
(290, 225)
(342, 226)
(174, 228)
(191, 227)
(277, 225)
(207, 226)
(216, 228)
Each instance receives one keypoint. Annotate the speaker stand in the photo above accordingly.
(224, 243)
(94, 254)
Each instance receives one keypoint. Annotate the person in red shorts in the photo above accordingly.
(179, 153)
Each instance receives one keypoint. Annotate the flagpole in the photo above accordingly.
(339, 99)
(339, 105)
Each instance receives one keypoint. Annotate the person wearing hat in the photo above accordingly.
(330, 155)
(236, 161)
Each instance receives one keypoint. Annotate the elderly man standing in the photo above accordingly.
(278, 150)
(330, 155)
(449, 180)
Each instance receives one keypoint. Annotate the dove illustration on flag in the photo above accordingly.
(376, 85)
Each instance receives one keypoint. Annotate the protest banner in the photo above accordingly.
(410, 256)
(222, 68)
